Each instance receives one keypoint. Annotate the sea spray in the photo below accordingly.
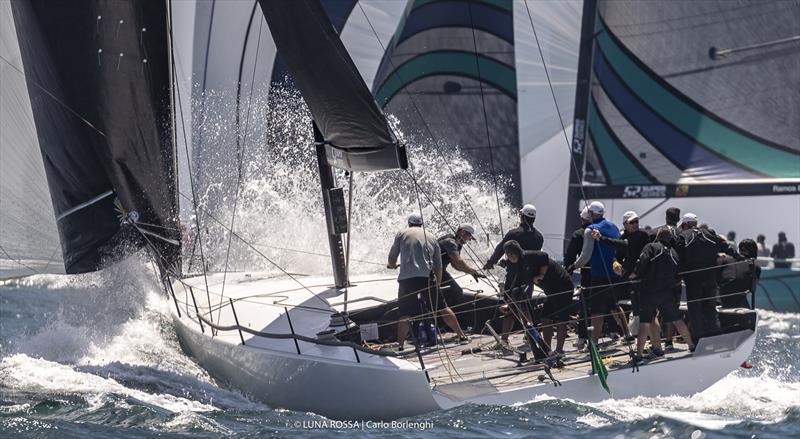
(278, 202)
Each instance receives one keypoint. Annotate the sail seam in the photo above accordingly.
(84, 205)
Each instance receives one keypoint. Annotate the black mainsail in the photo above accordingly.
(356, 134)
(98, 74)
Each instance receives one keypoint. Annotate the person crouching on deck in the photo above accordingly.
(557, 285)
(657, 269)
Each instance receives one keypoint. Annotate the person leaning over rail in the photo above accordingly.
(657, 268)
(420, 261)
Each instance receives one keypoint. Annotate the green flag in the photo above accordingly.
(598, 367)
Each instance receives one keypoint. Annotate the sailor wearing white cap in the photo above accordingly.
(526, 235)
(602, 296)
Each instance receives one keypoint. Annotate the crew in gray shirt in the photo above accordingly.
(420, 270)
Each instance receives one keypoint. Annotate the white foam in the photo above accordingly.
(22, 372)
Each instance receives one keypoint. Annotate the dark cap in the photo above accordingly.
(673, 215)
(512, 247)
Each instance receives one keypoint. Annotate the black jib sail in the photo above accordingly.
(99, 80)
(357, 135)
(694, 99)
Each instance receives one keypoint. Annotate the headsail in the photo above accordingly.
(356, 133)
(98, 74)
(450, 66)
(669, 117)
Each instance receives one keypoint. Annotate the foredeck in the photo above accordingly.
(481, 362)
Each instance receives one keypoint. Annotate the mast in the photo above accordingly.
(335, 212)
(582, 92)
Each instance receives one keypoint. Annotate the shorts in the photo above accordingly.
(664, 302)
(558, 305)
(603, 298)
(408, 293)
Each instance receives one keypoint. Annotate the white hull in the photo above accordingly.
(330, 381)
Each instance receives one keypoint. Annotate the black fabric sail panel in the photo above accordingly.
(356, 131)
(98, 71)
(450, 68)
(695, 93)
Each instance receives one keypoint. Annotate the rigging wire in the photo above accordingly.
(241, 152)
(427, 128)
(188, 158)
(485, 119)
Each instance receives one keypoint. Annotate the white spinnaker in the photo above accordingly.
(29, 240)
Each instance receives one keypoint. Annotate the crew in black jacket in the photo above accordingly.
(526, 235)
(698, 249)
(738, 275)
(657, 269)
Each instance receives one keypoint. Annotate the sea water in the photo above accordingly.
(96, 356)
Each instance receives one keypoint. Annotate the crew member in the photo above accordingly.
(557, 285)
(672, 216)
(518, 289)
(738, 275)
(627, 250)
(782, 251)
(698, 249)
(601, 295)
(421, 259)
(570, 256)
(657, 268)
(450, 293)
(526, 235)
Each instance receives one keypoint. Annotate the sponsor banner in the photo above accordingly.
(690, 190)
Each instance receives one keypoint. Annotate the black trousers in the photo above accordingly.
(701, 295)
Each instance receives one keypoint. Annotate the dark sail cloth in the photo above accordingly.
(698, 250)
(657, 268)
(736, 277)
(556, 284)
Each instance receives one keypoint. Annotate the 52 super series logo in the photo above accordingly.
(645, 191)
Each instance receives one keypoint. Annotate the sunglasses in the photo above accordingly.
(636, 221)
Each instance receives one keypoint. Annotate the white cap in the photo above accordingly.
(688, 217)
(529, 210)
(629, 216)
(415, 219)
(597, 207)
(467, 227)
(585, 214)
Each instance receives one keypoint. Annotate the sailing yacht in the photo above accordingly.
(101, 88)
